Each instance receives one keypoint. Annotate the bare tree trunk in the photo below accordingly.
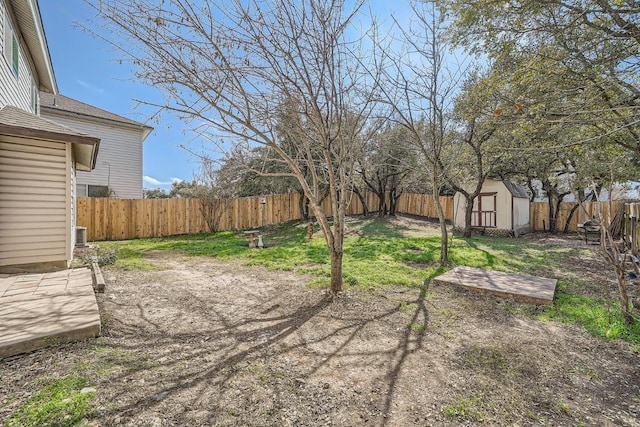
(336, 271)
(617, 260)
(363, 201)
(444, 244)
(468, 213)
(552, 219)
(381, 204)
(393, 198)
(624, 296)
(565, 230)
(303, 204)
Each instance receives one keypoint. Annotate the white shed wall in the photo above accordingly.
(521, 213)
(34, 201)
(503, 204)
(506, 218)
(120, 148)
(459, 205)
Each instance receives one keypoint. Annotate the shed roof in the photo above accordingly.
(516, 190)
(21, 124)
(72, 107)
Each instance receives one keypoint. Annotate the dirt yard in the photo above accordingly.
(202, 342)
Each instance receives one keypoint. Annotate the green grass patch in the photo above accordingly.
(598, 316)
(60, 403)
(379, 254)
(468, 408)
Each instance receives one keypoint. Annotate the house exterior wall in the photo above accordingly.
(20, 91)
(119, 164)
(34, 202)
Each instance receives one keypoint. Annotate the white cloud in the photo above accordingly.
(90, 86)
(155, 182)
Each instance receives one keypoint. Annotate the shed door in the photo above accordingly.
(484, 213)
(33, 200)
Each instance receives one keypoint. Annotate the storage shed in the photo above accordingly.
(38, 160)
(502, 208)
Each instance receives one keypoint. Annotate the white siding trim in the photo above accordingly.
(69, 202)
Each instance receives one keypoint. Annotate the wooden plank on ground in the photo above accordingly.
(523, 288)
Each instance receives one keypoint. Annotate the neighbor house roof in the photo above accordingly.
(71, 107)
(21, 124)
(516, 190)
(29, 21)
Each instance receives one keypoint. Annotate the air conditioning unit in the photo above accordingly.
(81, 237)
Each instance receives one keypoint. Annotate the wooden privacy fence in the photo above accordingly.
(119, 219)
(539, 214)
(424, 205)
(631, 225)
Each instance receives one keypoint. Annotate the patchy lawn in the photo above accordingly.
(196, 340)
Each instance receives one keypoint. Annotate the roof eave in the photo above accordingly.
(145, 129)
(85, 148)
(30, 20)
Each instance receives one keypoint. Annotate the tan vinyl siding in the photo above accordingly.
(120, 147)
(16, 92)
(33, 202)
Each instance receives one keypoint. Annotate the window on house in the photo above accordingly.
(97, 191)
(81, 190)
(15, 56)
(35, 98)
(11, 46)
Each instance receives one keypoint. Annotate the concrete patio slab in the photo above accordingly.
(524, 288)
(37, 310)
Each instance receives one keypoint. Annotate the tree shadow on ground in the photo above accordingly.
(238, 341)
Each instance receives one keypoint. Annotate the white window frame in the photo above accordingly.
(11, 46)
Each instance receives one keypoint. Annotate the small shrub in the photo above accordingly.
(102, 257)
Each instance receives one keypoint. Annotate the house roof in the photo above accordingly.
(21, 124)
(29, 23)
(72, 107)
(516, 190)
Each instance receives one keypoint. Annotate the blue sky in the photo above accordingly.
(87, 69)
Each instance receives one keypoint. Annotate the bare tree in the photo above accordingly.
(420, 83)
(476, 154)
(385, 166)
(256, 72)
(617, 255)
